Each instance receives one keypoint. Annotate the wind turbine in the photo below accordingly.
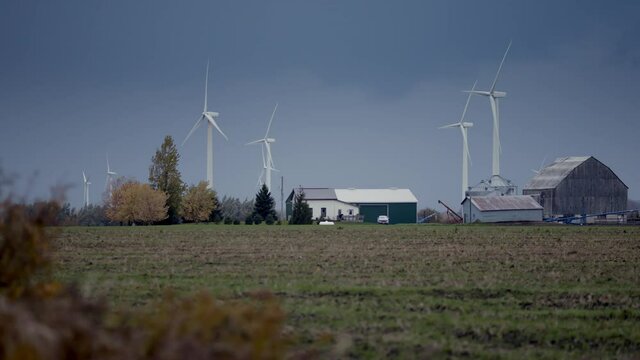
(466, 156)
(86, 183)
(267, 159)
(541, 166)
(108, 186)
(493, 100)
(208, 117)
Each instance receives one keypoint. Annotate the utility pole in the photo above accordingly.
(282, 198)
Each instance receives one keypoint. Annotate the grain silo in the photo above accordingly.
(576, 186)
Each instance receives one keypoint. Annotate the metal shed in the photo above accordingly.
(491, 209)
(577, 185)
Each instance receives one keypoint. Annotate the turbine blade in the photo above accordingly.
(266, 135)
(255, 142)
(477, 92)
(468, 100)
(206, 86)
(264, 162)
(500, 68)
(108, 168)
(195, 126)
(213, 122)
(449, 126)
(84, 177)
(269, 156)
(535, 171)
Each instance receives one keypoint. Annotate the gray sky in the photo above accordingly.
(362, 88)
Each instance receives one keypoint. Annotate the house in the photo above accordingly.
(359, 204)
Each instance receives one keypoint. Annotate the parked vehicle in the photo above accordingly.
(383, 219)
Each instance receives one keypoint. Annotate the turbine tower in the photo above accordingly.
(493, 96)
(267, 159)
(210, 118)
(108, 186)
(85, 183)
(466, 156)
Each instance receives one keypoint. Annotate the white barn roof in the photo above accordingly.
(363, 196)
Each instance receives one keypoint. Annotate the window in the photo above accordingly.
(323, 212)
(350, 211)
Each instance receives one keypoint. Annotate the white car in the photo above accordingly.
(383, 219)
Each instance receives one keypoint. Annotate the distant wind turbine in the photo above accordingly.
(108, 186)
(541, 166)
(86, 183)
(466, 156)
(210, 118)
(267, 159)
(493, 96)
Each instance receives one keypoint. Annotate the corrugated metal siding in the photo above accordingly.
(499, 203)
(552, 175)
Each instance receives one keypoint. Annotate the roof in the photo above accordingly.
(363, 196)
(318, 193)
(552, 175)
(358, 196)
(502, 203)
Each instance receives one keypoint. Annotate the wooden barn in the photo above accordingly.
(577, 186)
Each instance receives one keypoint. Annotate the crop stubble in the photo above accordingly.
(390, 290)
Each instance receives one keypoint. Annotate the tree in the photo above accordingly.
(198, 203)
(301, 210)
(429, 213)
(133, 202)
(233, 208)
(164, 176)
(264, 204)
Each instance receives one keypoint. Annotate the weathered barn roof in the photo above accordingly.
(358, 196)
(552, 175)
(501, 203)
(361, 196)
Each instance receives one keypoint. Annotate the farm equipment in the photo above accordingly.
(452, 214)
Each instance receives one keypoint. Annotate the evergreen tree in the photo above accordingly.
(264, 204)
(164, 176)
(301, 210)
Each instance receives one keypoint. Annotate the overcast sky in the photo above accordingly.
(362, 88)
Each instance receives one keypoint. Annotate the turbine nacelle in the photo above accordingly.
(270, 140)
(211, 113)
(498, 94)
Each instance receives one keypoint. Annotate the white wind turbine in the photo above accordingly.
(208, 117)
(108, 186)
(466, 156)
(85, 183)
(267, 159)
(495, 110)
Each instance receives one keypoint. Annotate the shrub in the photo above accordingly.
(257, 219)
(236, 222)
(42, 319)
(228, 221)
(269, 220)
(248, 220)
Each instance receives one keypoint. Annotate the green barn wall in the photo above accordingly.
(399, 213)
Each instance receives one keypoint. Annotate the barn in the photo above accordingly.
(359, 204)
(577, 186)
(492, 209)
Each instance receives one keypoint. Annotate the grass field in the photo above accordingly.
(384, 291)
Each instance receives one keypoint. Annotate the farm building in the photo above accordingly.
(490, 209)
(359, 204)
(577, 185)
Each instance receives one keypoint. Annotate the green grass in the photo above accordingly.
(379, 291)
